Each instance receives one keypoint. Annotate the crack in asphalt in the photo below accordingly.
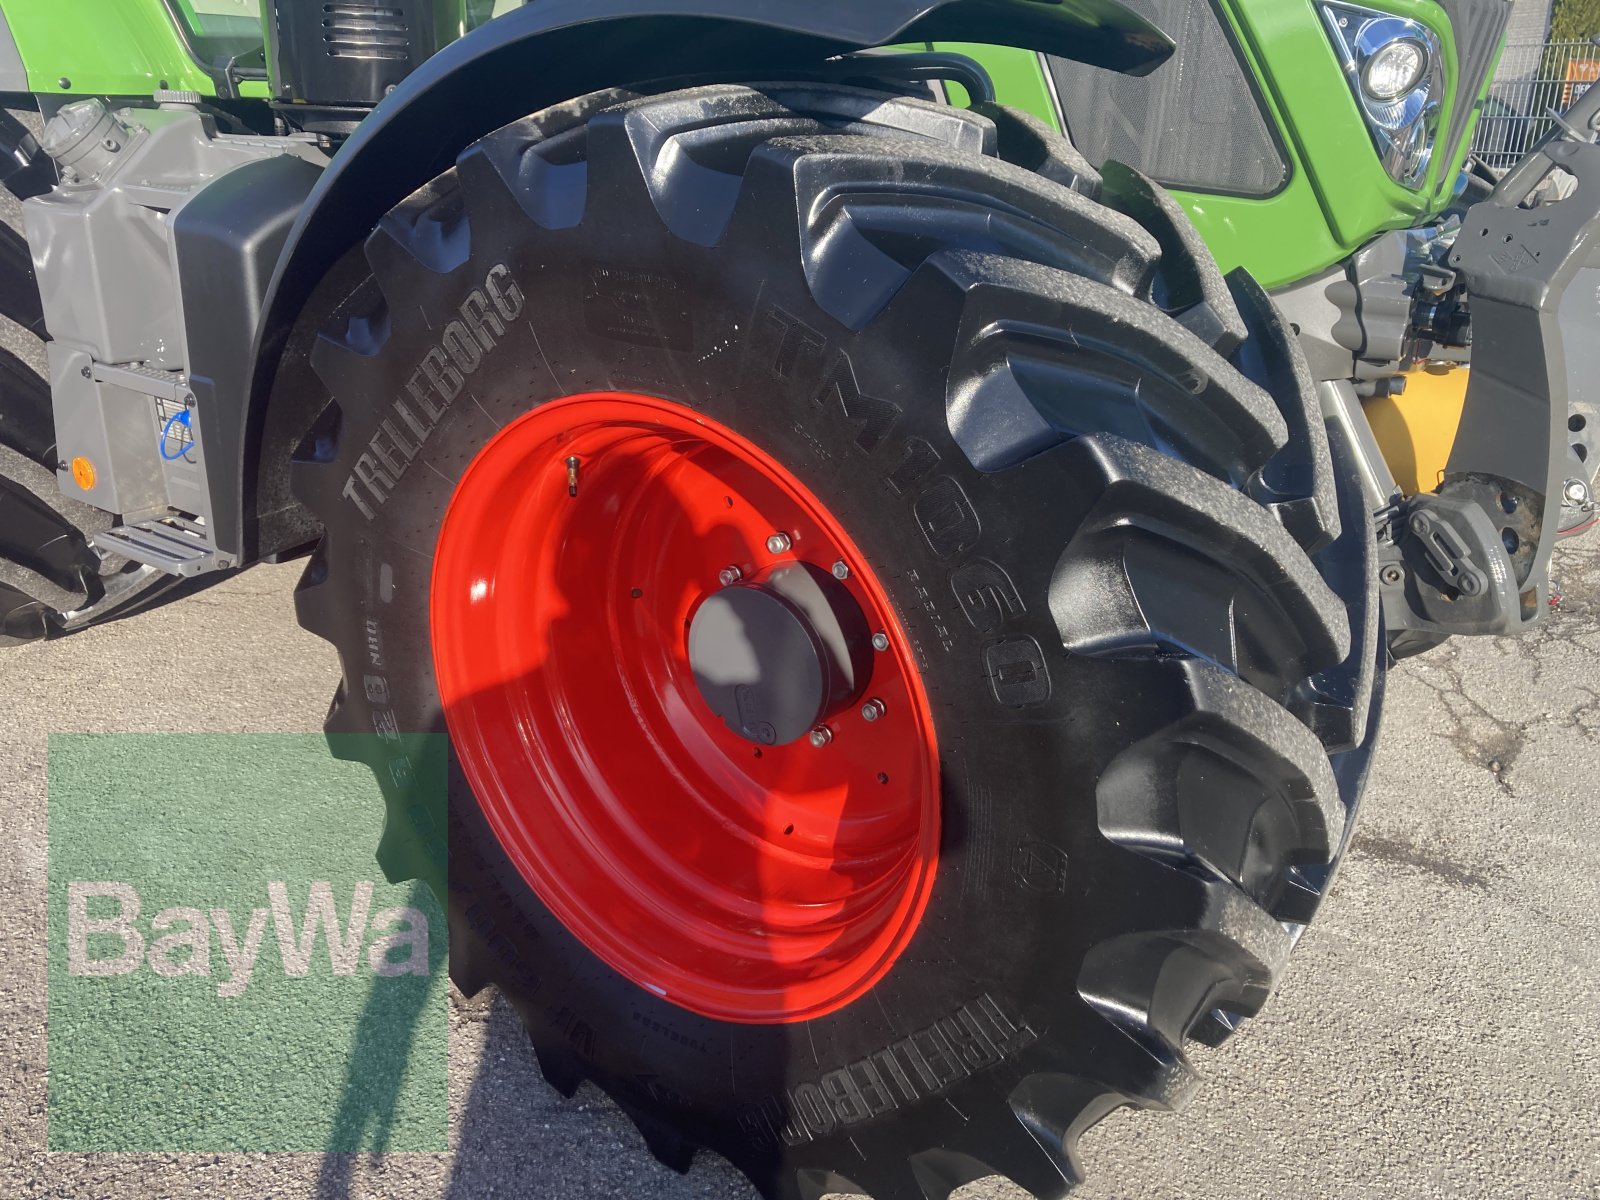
(1489, 742)
(1481, 739)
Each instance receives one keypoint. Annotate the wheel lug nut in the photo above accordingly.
(778, 543)
(729, 576)
(821, 736)
(841, 570)
(1576, 492)
(880, 642)
(872, 710)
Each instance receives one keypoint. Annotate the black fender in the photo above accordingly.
(553, 50)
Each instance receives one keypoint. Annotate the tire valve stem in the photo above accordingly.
(572, 475)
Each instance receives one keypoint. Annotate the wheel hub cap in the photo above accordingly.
(774, 658)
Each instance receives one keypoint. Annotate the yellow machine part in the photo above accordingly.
(1417, 428)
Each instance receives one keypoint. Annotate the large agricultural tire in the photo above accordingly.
(1075, 478)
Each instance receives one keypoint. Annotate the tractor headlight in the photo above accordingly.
(1397, 68)
(1396, 71)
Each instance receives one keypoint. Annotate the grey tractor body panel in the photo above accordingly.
(1580, 335)
(120, 294)
(1315, 307)
(1342, 408)
(227, 241)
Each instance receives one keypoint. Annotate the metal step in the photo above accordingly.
(177, 549)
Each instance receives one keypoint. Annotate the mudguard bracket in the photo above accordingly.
(1502, 490)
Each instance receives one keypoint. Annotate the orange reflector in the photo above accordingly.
(83, 473)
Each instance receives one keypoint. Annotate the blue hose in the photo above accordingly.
(181, 418)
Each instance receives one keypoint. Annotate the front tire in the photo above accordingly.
(1117, 556)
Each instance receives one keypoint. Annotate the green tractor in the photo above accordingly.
(864, 540)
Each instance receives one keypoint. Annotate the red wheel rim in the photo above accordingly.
(748, 883)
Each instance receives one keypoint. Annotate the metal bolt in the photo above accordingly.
(1576, 492)
(880, 641)
(729, 576)
(841, 570)
(872, 710)
(1391, 574)
(821, 736)
(85, 372)
(778, 543)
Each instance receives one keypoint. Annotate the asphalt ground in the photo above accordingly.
(1437, 1034)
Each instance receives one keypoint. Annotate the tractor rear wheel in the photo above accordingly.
(885, 596)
